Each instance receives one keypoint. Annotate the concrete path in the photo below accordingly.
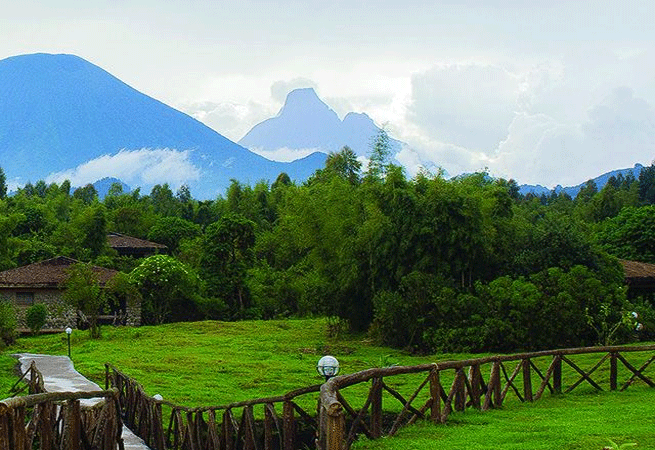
(59, 375)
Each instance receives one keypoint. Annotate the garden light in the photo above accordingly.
(328, 366)
(69, 330)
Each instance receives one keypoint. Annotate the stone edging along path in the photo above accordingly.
(59, 375)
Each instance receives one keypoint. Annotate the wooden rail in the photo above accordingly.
(528, 377)
(57, 420)
(215, 427)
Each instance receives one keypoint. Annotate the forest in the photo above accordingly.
(426, 263)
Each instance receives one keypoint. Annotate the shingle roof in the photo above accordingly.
(637, 270)
(49, 273)
(120, 241)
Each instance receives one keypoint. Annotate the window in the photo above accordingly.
(24, 298)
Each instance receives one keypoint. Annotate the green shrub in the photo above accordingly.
(8, 322)
(36, 316)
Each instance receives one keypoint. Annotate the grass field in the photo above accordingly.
(576, 421)
(210, 363)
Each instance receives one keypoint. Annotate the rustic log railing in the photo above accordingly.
(531, 375)
(215, 427)
(57, 420)
(31, 380)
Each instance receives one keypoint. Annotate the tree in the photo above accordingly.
(8, 322)
(379, 154)
(84, 293)
(647, 185)
(163, 201)
(226, 257)
(87, 194)
(94, 228)
(344, 164)
(168, 288)
(171, 231)
(3, 184)
(587, 192)
(631, 234)
(35, 317)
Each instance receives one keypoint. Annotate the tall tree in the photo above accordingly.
(3, 184)
(344, 164)
(379, 155)
(84, 293)
(227, 256)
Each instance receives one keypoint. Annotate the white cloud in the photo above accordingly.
(232, 120)
(144, 167)
(619, 131)
(284, 154)
(465, 105)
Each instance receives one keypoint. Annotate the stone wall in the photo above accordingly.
(60, 314)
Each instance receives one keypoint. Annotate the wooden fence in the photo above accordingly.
(285, 425)
(526, 376)
(57, 420)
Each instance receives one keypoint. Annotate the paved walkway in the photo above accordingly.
(59, 375)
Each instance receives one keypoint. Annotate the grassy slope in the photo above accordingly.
(214, 362)
(217, 363)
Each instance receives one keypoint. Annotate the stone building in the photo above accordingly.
(41, 282)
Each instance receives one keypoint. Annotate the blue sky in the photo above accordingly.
(550, 92)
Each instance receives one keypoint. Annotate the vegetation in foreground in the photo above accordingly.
(212, 362)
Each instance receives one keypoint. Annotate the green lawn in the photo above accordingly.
(212, 363)
(576, 421)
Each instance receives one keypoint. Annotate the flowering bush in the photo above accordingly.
(168, 288)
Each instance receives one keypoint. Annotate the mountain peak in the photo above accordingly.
(69, 111)
(300, 101)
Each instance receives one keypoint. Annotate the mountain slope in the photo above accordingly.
(306, 122)
(59, 111)
(572, 191)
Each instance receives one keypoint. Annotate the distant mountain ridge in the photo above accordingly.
(306, 122)
(60, 111)
(572, 191)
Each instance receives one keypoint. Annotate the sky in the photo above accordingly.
(545, 92)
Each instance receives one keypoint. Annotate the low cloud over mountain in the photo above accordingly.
(63, 117)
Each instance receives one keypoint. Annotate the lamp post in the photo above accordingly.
(327, 366)
(69, 330)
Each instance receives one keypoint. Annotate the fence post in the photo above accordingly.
(557, 374)
(435, 394)
(475, 380)
(5, 425)
(492, 397)
(335, 427)
(527, 380)
(332, 420)
(72, 427)
(613, 371)
(376, 408)
(289, 426)
(460, 390)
